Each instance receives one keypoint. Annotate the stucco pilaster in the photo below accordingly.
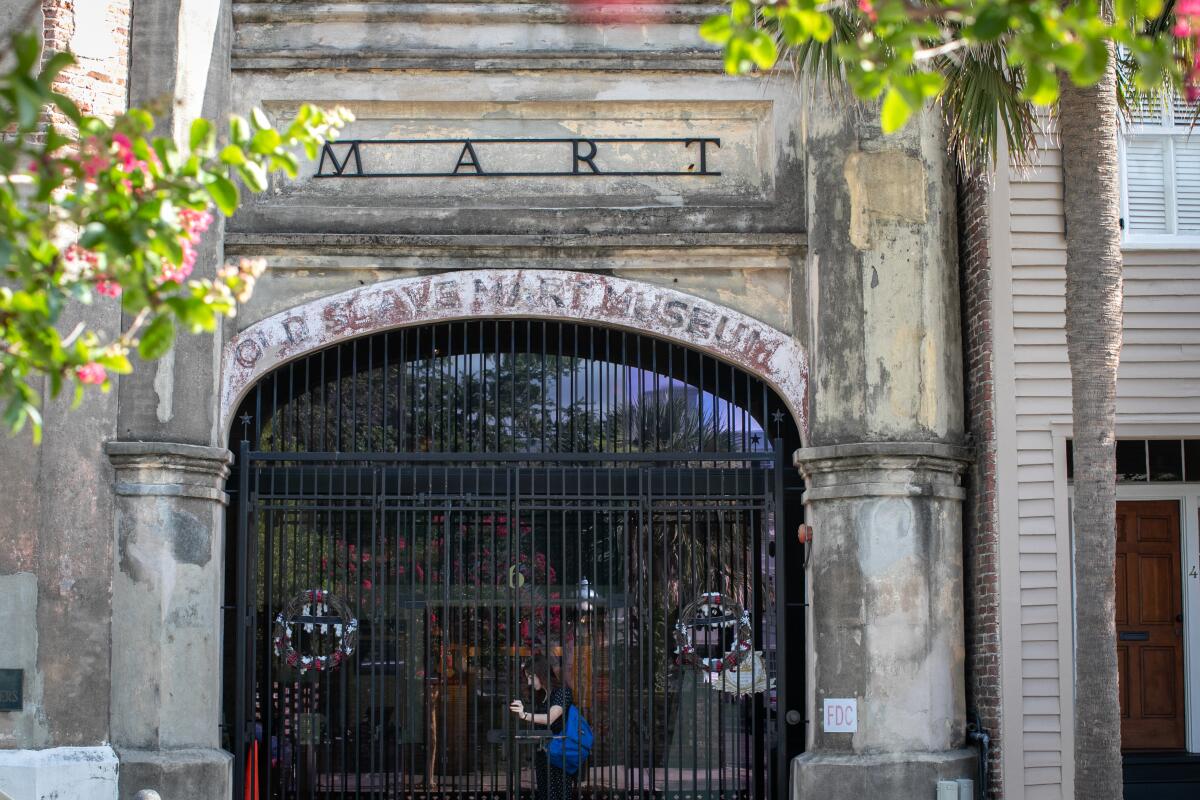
(179, 68)
(886, 621)
(882, 475)
(879, 295)
(166, 627)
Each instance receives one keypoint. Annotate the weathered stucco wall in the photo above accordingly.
(806, 241)
(55, 529)
(879, 299)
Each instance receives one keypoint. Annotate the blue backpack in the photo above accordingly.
(568, 750)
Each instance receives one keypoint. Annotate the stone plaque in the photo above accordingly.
(11, 689)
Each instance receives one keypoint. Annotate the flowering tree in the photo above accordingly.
(107, 210)
(907, 52)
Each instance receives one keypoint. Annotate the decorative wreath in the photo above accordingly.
(305, 609)
(713, 610)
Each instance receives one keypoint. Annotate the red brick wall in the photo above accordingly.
(96, 32)
(980, 513)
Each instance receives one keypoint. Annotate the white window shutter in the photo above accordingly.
(1183, 113)
(1146, 186)
(1149, 111)
(1187, 185)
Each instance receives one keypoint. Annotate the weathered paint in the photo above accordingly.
(540, 294)
(883, 186)
(59, 773)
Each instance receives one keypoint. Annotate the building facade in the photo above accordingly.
(564, 340)
(1021, 410)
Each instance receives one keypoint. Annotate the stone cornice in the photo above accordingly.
(169, 469)
(883, 469)
(481, 61)
(470, 12)
(848, 453)
(327, 35)
(577, 244)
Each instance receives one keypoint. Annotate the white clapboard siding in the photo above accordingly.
(1160, 375)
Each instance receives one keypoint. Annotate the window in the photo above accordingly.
(1160, 202)
(1151, 460)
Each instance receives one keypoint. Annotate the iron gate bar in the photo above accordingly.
(454, 353)
(367, 505)
(636, 463)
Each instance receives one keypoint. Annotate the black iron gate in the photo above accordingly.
(458, 566)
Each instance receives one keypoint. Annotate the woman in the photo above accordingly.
(550, 704)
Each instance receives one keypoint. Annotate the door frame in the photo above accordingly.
(1188, 497)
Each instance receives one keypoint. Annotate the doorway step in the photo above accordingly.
(1173, 775)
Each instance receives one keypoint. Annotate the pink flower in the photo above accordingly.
(94, 166)
(366, 584)
(76, 255)
(194, 222)
(868, 8)
(91, 373)
(108, 288)
(125, 151)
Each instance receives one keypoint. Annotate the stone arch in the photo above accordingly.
(729, 335)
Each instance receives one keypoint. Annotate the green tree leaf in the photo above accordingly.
(265, 141)
(762, 51)
(232, 154)
(895, 112)
(224, 193)
(201, 134)
(717, 29)
(156, 340)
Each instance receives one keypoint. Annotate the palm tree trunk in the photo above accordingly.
(1091, 210)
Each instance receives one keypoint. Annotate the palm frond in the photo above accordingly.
(981, 95)
(819, 59)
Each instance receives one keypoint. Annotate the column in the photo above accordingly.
(886, 619)
(883, 465)
(166, 619)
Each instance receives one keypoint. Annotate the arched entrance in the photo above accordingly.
(481, 492)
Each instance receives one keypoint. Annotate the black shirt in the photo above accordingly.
(559, 696)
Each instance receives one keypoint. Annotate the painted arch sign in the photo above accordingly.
(513, 294)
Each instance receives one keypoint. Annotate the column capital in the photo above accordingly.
(169, 469)
(888, 469)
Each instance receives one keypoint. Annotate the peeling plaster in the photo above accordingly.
(164, 386)
(886, 186)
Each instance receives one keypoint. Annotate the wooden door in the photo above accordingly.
(1150, 625)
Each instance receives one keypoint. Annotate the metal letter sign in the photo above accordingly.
(344, 159)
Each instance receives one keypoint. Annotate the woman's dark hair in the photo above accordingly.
(540, 668)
